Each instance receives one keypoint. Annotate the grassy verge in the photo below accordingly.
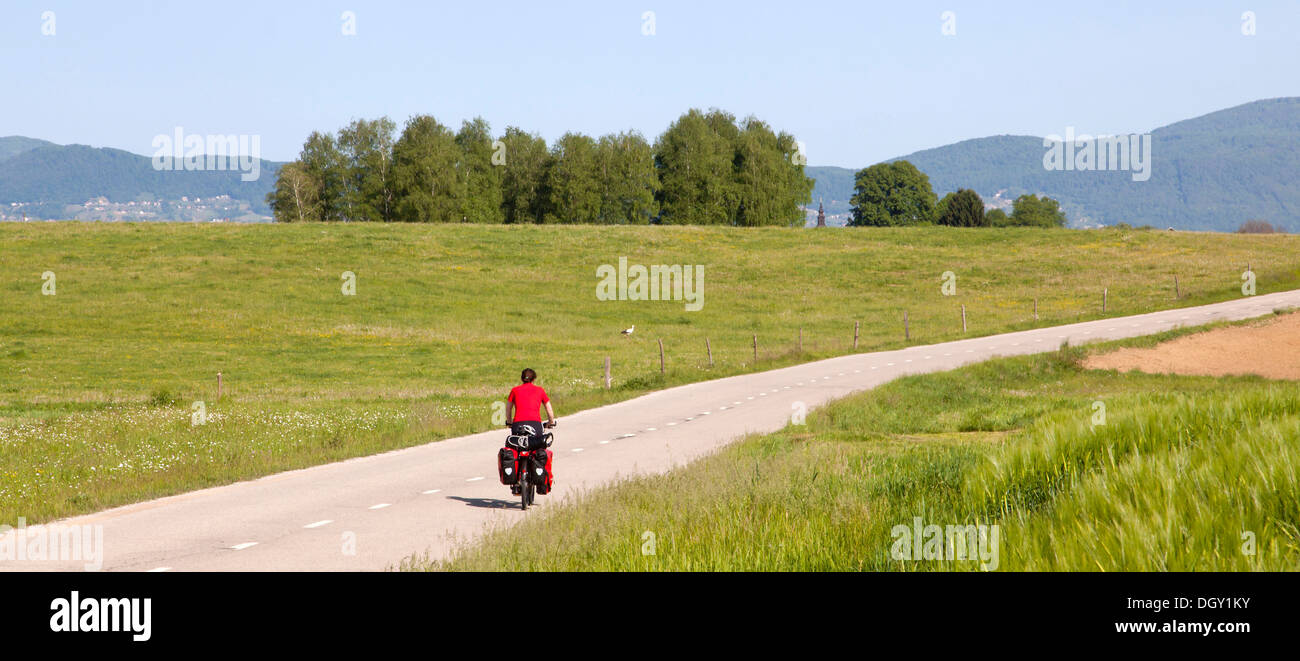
(1184, 474)
(97, 381)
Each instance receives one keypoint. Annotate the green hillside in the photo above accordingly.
(97, 380)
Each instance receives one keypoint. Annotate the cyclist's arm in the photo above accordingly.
(550, 412)
(510, 411)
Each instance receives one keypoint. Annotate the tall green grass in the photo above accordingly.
(1170, 484)
(1184, 472)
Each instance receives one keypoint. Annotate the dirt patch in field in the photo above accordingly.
(1270, 349)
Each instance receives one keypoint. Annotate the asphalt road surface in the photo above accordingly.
(370, 513)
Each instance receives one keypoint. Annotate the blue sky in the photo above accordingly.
(857, 82)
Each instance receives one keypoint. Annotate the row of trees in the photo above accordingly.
(897, 193)
(1257, 226)
(706, 168)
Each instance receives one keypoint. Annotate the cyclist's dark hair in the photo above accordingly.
(528, 375)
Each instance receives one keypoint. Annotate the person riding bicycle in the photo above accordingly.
(523, 414)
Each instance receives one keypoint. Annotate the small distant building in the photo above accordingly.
(821, 215)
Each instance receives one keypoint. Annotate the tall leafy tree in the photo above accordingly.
(429, 190)
(573, 181)
(627, 179)
(323, 164)
(964, 208)
(296, 197)
(769, 179)
(892, 194)
(367, 151)
(695, 159)
(522, 176)
(480, 179)
(1034, 211)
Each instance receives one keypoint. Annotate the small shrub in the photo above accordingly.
(163, 396)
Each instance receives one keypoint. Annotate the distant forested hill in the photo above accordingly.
(1208, 173)
(16, 144)
(35, 171)
(833, 187)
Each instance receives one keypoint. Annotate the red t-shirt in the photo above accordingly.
(528, 399)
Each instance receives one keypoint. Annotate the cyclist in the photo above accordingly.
(523, 414)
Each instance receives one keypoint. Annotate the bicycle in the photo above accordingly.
(530, 459)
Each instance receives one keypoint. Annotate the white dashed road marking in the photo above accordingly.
(381, 506)
(474, 479)
(318, 524)
(241, 547)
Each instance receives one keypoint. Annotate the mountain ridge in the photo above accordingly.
(49, 179)
(1210, 172)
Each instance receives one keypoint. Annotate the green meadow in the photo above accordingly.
(99, 381)
(1178, 474)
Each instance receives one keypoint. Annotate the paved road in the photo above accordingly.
(430, 498)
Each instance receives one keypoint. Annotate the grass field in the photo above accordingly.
(97, 381)
(1182, 474)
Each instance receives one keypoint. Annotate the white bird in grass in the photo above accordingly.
(628, 332)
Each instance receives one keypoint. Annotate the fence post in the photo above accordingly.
(855, 334)
(1177, 294)
(801, 339)
(607, 377)
(1104, 292)
(218, 385)
(907, 331)
(755, 347)
(709, 348)
(963, 317)
(661, 356)
(1035, 309)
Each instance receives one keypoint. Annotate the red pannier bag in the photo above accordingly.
(508, 466)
